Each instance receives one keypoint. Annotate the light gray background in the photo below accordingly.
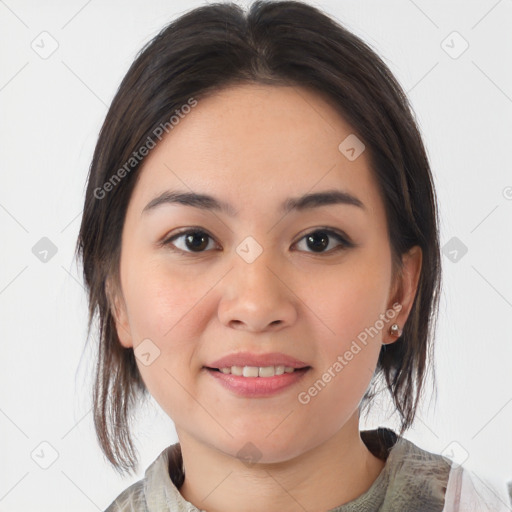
(51, 112)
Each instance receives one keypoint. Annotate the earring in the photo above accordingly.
(395, 330)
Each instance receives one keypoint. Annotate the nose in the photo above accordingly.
(257, 297)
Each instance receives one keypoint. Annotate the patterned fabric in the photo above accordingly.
(412, 480)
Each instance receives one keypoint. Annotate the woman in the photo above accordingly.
(260, 240)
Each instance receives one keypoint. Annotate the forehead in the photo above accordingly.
(259, 143)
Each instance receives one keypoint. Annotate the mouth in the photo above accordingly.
(258, 371)
(257, 381)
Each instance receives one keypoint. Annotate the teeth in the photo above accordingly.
(257, 371)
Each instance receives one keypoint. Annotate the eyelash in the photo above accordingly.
(343, 239)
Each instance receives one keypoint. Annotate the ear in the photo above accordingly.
(405, 288)
(118, 310)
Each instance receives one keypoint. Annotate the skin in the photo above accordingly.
(254, 146)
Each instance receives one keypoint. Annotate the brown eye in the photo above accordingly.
(192, 241)
(319, 240)
(197, 241)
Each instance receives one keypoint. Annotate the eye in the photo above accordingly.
(319, 240)
(194, 240)
(197, 241)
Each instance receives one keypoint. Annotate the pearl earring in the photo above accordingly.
(395, 330)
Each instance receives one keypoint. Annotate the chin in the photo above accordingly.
(257, 447)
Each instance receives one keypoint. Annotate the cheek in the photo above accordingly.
(347, 361)
(164, 312)
(161, 320)
(350, 303)
(161, 303)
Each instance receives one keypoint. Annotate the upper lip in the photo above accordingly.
(249, 359)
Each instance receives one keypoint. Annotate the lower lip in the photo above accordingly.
(255, 387)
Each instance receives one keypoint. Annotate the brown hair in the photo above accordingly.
(276, 43)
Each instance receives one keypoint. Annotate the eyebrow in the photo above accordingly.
(207, 202)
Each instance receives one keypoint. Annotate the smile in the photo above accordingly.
(257, 381)
(256, 371)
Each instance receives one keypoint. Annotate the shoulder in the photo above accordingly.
(412, 479)
(418, 476)
(157, 490)
(132, 499)
(421, 480)
(469, 491)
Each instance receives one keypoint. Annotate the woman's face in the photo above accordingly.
(258, 279)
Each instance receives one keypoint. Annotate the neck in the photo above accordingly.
(331, 474)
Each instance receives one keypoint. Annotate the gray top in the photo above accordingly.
(412, 480)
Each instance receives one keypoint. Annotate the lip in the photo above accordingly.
(257, 387)
(251, 359)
